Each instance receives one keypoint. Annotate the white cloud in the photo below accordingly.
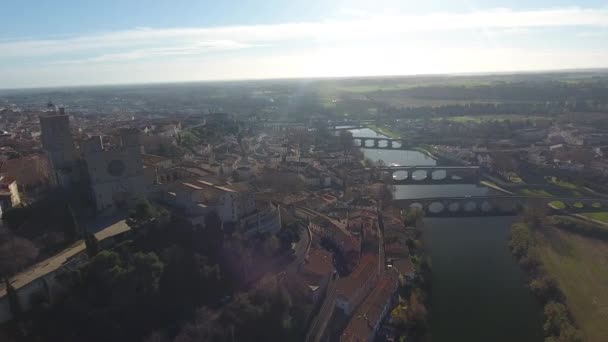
(131, 43)
(365, 44)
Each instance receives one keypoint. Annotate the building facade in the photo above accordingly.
(116, 175)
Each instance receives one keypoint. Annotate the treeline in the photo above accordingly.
(410, 318)
(479, 109)
(150, 286)
(34, 232)
(581, 227)
(559, 325)
(595, 93)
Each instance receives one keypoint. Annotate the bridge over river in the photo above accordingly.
(381, 143)
(401, 175)
(498, 205)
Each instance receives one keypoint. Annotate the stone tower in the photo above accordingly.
(58, 143)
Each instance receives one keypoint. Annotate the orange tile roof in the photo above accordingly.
(318, 263)
(366, 268)
(370, 311)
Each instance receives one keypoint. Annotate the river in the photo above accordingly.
(478, 290)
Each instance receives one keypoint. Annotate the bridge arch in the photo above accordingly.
(486, 207)
(470, 206)
(439, 174)
(400, 175)
(436, 208)
(417, 205)
(454, 207)
(420, 175)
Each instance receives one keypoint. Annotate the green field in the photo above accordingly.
(600, 216)
(557, 204)
(562, 183)
(481, 118)
(385, 131)
(534, 193)
(579, 265)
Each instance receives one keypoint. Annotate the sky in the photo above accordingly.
(88, 42)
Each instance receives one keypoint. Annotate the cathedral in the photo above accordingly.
(115, 176)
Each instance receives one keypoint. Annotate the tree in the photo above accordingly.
(535, 215)
(545, 288)
(13, 299)
(504, 164)
(213, 236)
(271, 245)
(412, 216)
(147, 271)
(91, 244)
(521, 239)
(15, 253)
(346, 141)
(71, 228)
(144, 214)
(556, 316)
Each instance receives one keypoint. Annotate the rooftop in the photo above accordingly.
(365, 269)
(370, 312)
(153, 159)
(319, 262)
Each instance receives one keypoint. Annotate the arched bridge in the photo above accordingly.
(499, 205)
(380, 143)
(399, 175)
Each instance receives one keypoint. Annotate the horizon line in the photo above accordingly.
(453, 74)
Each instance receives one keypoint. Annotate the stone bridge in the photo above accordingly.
(499, 205)
(380, 143)
(399, 175)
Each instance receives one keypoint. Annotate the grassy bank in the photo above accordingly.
(534, 193)
(384, 130)
(599, 216)
(578, 265)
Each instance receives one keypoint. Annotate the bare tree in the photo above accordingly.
(16, 253)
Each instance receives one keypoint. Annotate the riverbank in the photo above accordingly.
(578, 264)
(558, 262)
(384, 131)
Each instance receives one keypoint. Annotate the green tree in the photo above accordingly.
(147, 269)
(521, 239)
(145, 214)
(412, 216)
(545, 288)
(556, 316)
(213, 236)
(14, 303)
(346, 141)
(271, 245)
(91, 244)
(71, 227)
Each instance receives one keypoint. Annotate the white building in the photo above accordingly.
(234, 203)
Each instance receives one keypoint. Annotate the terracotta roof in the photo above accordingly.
(318, 263)
(370, 311)
(153, 159)
(404, 266)
(395, 249)
(366, 268)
